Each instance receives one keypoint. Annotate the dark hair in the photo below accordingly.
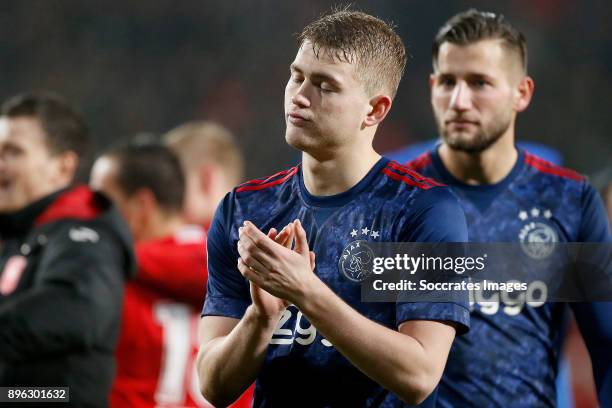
(472, 26)
(64, 127)
(361, 39)
(153, 166)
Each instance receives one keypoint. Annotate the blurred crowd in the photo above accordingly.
(135, 65)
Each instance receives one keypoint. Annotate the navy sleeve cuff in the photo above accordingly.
(223, 306)
(450, 312)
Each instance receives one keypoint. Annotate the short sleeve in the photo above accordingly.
(594, 226)
(436, 216)
(455, 312)
(227, 290)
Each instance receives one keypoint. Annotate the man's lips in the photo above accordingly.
(296, 117)
(461, 122)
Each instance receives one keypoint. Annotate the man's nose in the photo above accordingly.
(461, 98)
(301, 98)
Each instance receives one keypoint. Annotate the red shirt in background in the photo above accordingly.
(158, 345)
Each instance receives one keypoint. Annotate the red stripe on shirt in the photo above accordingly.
(405, 179)
(549, 168)
(420, 162)
(290, 173)
(418, 177)
(266, 180)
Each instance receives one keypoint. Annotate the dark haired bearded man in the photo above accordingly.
(478, 86)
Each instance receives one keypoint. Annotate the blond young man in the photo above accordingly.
(301, 330)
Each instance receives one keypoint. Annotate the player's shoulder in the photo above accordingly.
(256, 198)
(266, 184)
(402, 174)
(80, 215)
(68, 245)
(416, 193)
(90, 239)
(420, 163)
(82, 233)
(81, 221)
(552, 172)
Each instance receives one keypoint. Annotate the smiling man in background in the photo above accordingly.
(64, 256)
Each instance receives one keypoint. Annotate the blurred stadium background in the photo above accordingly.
(146, 66)
(136, 66)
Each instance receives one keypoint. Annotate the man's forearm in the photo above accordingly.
(396, 361)
(228, 365)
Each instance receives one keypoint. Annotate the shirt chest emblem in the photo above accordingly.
(537, 236)
(357, 257)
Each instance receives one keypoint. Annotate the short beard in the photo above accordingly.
(481, 141)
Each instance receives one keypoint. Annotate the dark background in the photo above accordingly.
(135, 66)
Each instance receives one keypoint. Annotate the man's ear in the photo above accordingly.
(524, 92)
(145, 203)
(206, 176)
(379, 107)
(432, 81)
(67, 164)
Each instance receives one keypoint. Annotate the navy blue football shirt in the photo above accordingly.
(390, 204)
(509, 357)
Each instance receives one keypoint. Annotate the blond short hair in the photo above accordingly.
(202, 142)
(358, 38)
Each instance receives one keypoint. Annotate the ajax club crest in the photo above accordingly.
(357, 257)
(356, 261)
(537, 237)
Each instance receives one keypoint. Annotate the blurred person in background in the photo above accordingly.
(302, 331)
(213, 166)
(478, 86)
(64, 256)
(158, 342)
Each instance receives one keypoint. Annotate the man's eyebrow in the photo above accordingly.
(480, 75)
(320, 76)
(469, 75)
(10, 144)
